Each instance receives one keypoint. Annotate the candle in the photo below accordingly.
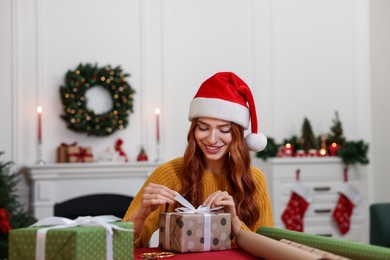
(334, 147)
(157, 111)
(322, 152)
(39, 110)
(289, 148)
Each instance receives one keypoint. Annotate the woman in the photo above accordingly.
(215, 169)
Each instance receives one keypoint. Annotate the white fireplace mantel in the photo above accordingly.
(56, 183)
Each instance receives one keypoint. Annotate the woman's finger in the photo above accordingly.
(216, 197)
(211, 198)
(157, 197)
(160, 190)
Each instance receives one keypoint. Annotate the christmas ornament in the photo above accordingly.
(109, 155)
(79, 117)
(308, 141)
(142, 156)
(300, 199)
(118, 148)
(336, 132)
(348, 199)
(5, 224)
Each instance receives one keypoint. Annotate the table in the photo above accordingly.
(234, 253)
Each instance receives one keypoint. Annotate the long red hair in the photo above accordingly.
(237, 165)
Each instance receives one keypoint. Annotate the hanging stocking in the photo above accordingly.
(295, 210)
(348, 199)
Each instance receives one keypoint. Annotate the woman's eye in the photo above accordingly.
(202, 128)
(226, 131)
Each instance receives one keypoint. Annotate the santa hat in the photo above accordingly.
(225, 96)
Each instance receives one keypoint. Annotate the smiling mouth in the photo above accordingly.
(213, 149)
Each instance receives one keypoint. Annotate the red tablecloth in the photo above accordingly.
(234, 253)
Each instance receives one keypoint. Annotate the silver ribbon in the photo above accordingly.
(190, 209)
(59, 222)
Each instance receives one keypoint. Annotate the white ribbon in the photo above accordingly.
(59, 222)
(190, 209)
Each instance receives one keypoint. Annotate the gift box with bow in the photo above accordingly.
(62, 152)
(80, 154)
(194, 230)
(86, 238)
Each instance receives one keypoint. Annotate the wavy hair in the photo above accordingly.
(237, 165)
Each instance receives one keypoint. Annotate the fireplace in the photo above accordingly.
(93, 205)
(71, 189)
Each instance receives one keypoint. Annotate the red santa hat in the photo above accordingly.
(225, 96)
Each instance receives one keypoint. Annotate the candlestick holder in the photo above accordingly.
(158, 157)
(40, 160)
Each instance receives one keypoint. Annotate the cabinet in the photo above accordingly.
(54, 183)
(325, 177)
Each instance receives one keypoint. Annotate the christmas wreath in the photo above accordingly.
(79, 117)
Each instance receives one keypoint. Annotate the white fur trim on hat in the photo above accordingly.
(220, 109)
(256, 142)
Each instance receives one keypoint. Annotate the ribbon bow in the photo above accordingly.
(68, 145)
(60, 222)
(81, 154)
(189, 208)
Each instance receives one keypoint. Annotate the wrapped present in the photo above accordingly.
(62, 152)
(194, 230)
(85, 238)
(80, 154)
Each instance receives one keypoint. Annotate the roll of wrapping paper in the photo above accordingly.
(322, 253)
(349, 249)
(267, 248)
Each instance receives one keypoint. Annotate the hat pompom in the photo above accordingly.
(256, 142)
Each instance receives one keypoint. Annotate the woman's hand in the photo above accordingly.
(154, 196)
(223, 198)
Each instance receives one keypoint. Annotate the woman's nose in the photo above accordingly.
(213, 137)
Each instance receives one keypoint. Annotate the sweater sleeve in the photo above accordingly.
(166, 174)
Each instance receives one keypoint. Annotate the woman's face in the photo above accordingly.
(213, 136)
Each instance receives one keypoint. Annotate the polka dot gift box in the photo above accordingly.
(74, 243)
(188, 232)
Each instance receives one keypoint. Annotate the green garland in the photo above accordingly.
(79, 117)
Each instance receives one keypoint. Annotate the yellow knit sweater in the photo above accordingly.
(167, 174)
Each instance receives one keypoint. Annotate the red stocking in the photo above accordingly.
(295, 210)
(342, 212)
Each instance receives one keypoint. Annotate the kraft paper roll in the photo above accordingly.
(268, 248)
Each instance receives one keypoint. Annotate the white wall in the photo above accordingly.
(302, 58)
(6, 97)
(380, 67)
